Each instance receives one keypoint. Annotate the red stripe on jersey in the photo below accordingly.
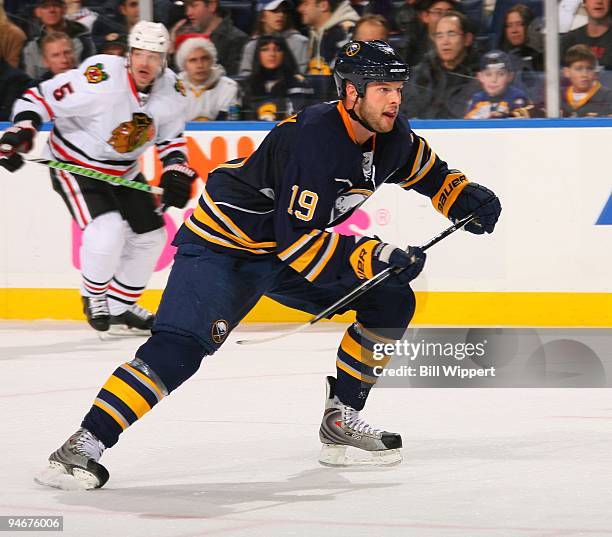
(71, 158)
(84, 219)
(43, 101)
(133, 86)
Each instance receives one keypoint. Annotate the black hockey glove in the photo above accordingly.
(475, 198)
(16, 139)
(412, 261)
(176, 180)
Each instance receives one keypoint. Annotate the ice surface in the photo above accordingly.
(234, 451)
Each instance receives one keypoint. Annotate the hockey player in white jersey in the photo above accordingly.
(105, 114)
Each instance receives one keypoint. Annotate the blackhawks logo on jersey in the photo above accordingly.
(130, 135)
(180, 87)
(96, 74)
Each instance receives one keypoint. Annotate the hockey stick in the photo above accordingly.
(92, 174)
(360, 289)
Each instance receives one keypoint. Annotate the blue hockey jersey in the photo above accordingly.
(308, 175)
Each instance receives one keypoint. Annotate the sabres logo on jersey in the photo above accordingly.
(180, 87)
(130, 135)
(96, 74)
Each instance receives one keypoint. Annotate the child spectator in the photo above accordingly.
(274, 90)
(275, 16)
(498, 98)
(585, 97)
(210, 93)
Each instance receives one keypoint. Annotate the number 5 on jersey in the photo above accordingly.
(307, 202)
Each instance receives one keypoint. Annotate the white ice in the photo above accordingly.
(234, 450)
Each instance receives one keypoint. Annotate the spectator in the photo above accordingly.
(275, 17)
(444, 81)
(13, 82)
(12, 39)
(117, 20)
(52, 16)
(572, 15)
(206, 19)
(406, 18)
(595, 34)
(210, 93)
(498, 97)
(274, 90)
(76, 12)
(57, 53)
(371, 27)
(114, 44)
(514, 39)
(585, 97)
(418, 44)
(329, 23)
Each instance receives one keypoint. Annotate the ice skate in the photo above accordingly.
(135, 321)
(348, 440)
(96, 310)
(74, 466)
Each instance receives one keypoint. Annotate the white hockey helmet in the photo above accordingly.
(151, 36)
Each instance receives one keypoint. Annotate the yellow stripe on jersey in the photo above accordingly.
(453, 184)
(218, 240)
(210, 203)
(301, 242)
(200, 215)
(290, 119)
(422, 171)
(302, 262)
(327, 255)
(231, 165)
(361, 259)
(137, 403)
(361, 353)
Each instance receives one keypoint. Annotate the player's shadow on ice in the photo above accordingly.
(207, 500)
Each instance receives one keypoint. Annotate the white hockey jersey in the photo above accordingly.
(101, 121)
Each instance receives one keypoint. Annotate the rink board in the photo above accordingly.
(548, 263)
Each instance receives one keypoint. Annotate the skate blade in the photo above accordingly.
(338, 456)
(121, 331)
(57, 476)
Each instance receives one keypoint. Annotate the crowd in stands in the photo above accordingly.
(266, 59)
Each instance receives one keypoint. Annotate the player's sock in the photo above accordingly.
(121, 296)
(357, 367)
(130, 392)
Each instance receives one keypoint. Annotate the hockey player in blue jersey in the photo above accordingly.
(261, 228)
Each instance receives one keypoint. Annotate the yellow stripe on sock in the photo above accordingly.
(137, 403)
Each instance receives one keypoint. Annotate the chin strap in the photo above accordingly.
(353, 115)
